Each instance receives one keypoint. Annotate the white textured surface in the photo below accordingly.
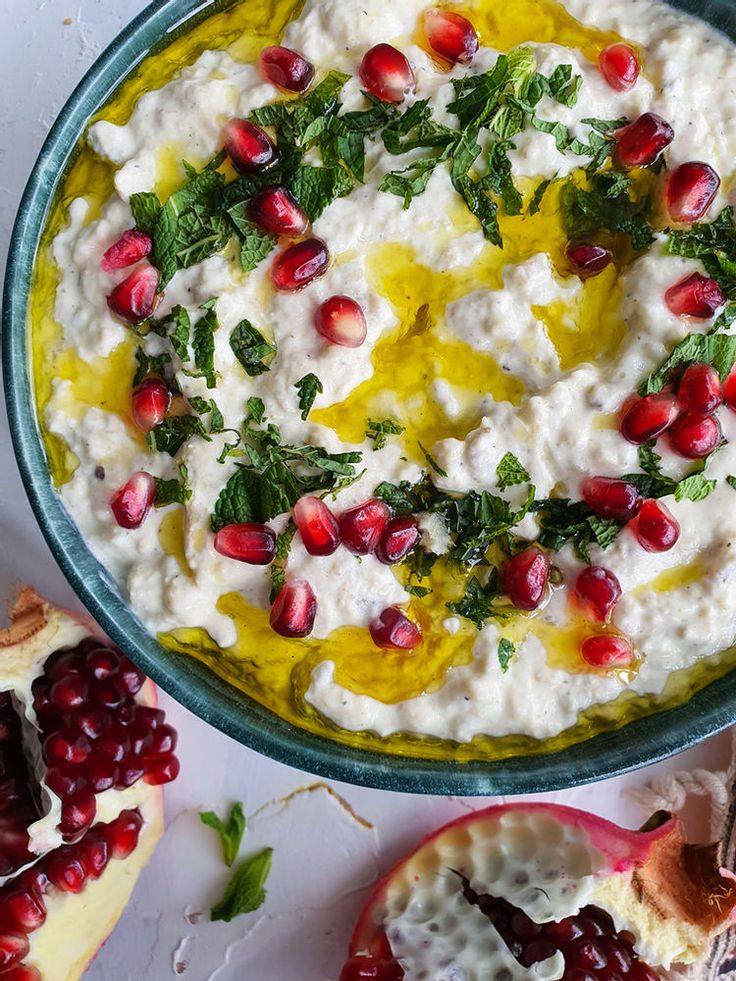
(323, 859)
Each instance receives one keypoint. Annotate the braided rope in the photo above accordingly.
(670, 793)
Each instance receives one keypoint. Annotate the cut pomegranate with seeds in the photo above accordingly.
(695, 296)
(598, 590)
(587, 259)
(649, 417)
(66, 746)
(13, 948)
(641, 142)
(132, 246)
(607, 651)
(400, 537)
(250, 148)
(362, 527)
(286, 69)
(299, 265)
(695, 436)
(77, 813)
(525, 578)
(700, 389)
(107, 694)
(249, 542)
(612, 498)
(619, 66)
(690, 191)
(386, 73)
(294, 609)
(340, 320)
(135, 298)
(162, 771)
(392, 630)
(278, 211)
(317, 526)
(149, 403)
(451, 36)
(655, 527)
(132, 502)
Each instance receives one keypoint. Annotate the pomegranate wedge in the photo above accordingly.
(278, 211)
(612, 498)
(451, 36)
(386, 73)
(317, 525)
(134, 500)
(252, 543)
(362, 527)
(394, 631)
(695, 436)
(587, 259)
(286, 69)
(641, 142)
(648, 417)
(598, 591)
(656, 528)
(340, 320)
(131, 247)
(250, 148)
(525, 578)
(150, 402)
(619, 65)
(690, 191)
(695, 296)
(135, 298)
(294, 609)
(299, 265)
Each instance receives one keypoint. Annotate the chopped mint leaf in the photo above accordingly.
(477, 605)
(238, 502)
(432, 462)
(565, 87)
(604, 530)
(510, 472)
(718, 350)
(419, 564)
(250, 348)
(173, 432)
(203, 345)
(255, 243)
(714, 243)
(146, 209)
(308, 387)
(174, 491)
(506, 651)
(150, 364)
(499, 178)
(256, 410)
(246, 891)
(541, 189)
(398, 496)
(696, 487)
(281, 558)
(179, 336)
(201, 406)
(231, 831)
(482, 206)
(731, 481)
(563, 521)
(380, 431)
(217, 422)
(317, 187)
(606, 205)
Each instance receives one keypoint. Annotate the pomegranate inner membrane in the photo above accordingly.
(351, 304)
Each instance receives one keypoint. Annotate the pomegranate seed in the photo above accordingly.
(606, 651)
(149, 403)
(299, 264)
(122, 834)
(587, 259)
(95, 854)
(729, 390)
(141, 739)
(598, 591)
(135, 298)
(162, 771)
(250, 542)
(131, 247)
(399, 538)
(251, 149)
(65, 780)
(649, 417)
(92, 721)
(77, 813)
(363, 967)
(66, 869)
(13, 948)
(394, 631)
(340, 320)
(126, 713)
(318, 527)
(22, 911)
(641, 142)
(113, 744)
(152, 717)
(130, 678)
(619, 66)
(101, 663)
(286, 68)
(130, 772)
(294, 609)
(102, 773)
(69, 663)
(163, 741)
(700, 389)
(10, 794)
(612, 498)
(695, 296)
(278, 211)
(690, 190)
(66, 746)
(22, 972)
(525, 578)
(362, 527)
(451, 36)
(133, 501)
(695, 436)
(69, 693)
(386, 73)
(107, 694)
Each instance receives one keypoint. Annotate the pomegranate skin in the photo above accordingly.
(451, 36)
(690, 190)
(294, 609)
(300, 264)
(250, 148)
(362, 527)
(252, 543)
(386, 73)
(278, 211)
(340, 320)
(286, 69)
(641, 142)
(525, 578)
(392, 630)
(317, 525)
(612, 498)
(695, 296)
(695, 436)
(655, 527)
(607, 651)
(587, 259)
(619, 65)
(649, 417)
(597, 590)
(700, 389)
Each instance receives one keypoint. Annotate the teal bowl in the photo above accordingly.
(640, 742)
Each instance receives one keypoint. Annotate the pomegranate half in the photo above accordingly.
(83, 754)
(525, 891)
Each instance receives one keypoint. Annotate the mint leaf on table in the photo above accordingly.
(308, 388)
(250, 348)
(231, 831)
(173, 432)
(146, 208)
(246, 891)
(380, 430)
(506, 651)
(510, 472)
(174, 491)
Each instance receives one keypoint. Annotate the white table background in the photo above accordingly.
(324, 859)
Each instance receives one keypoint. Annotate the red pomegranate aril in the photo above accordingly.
(538, 950)
(77, 813)
(69, 693)
(66, 869)
(65, 780)
(130, 678)
(392, 630)
(641, 142)
(141, 738)
(451, 36)
(278, 211)
(23, 972)
(107, 694)
(363, 967)
(250, 148)
(101, 663)
(607, 651)
(130, 771)
(113, 744)
(22, 910)
(102, 773)
(587, 259)
(69, 663)
(134, 500)
(340, 320)
(286, 69)
(13, 948)
(700, 389)
(729, 390)
(294, 609)
(250, 542)
(11, 794)
(92, 721)
(399, 538)
(163, 741)
(149, 403)
(300, 264)
(132, 246)
(690, 190)
(694, 436)
(525, 578)
(650, 416)
(612, 498)
(66, 746)
(135, 298)
(619, 66)
(317, 525)
(386, 73)
(598, 590)
(152, 717)
(96, 853)
(362, 527)
(695, 296)
(122, 833)
(162, 771)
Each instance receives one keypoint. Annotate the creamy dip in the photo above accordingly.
(517, 355)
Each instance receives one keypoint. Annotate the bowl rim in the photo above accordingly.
(642, 741)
